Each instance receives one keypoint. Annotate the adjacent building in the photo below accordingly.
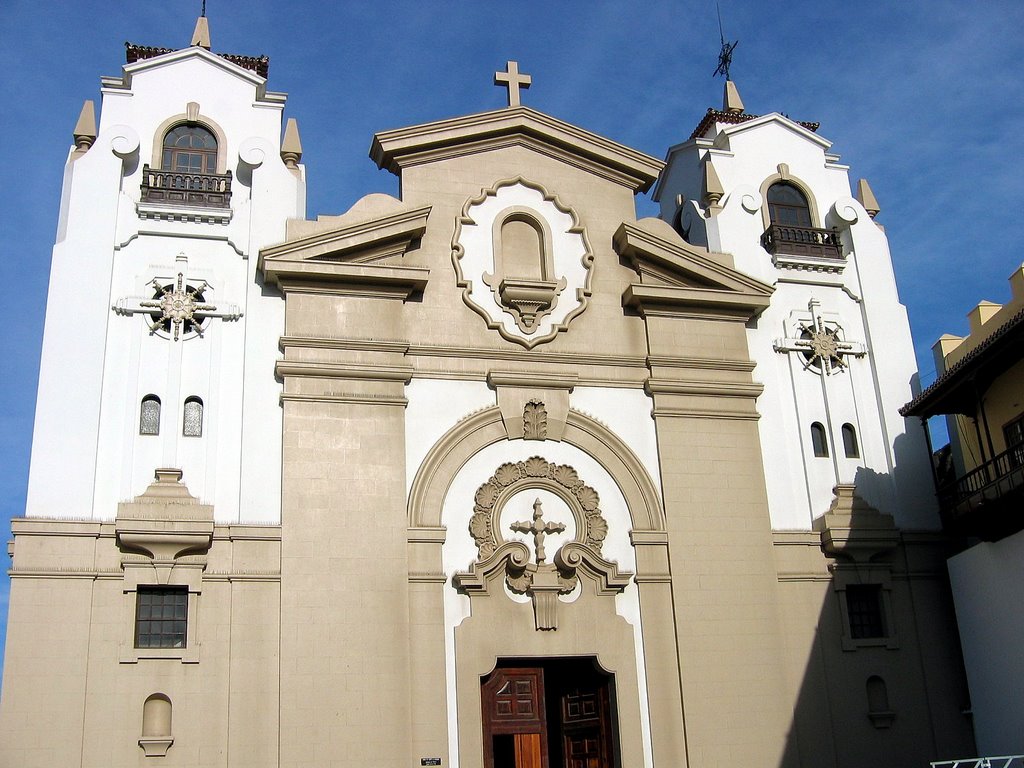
(980, 390)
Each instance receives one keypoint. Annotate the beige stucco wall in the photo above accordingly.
(73, 675)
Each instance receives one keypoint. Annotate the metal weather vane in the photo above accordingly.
(725, 54)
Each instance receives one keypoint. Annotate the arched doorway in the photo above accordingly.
(549, 713)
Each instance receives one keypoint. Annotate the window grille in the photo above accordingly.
(192, 422)
(149, 416)
(161, 617)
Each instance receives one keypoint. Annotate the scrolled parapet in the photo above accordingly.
(847, 211)
(750, 199)
(124, 141)
(254, 151)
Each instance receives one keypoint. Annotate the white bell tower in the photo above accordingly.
(833, 350)
(160, 339)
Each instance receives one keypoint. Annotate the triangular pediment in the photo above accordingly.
(396, 149)
(363, 246)
(676, 273)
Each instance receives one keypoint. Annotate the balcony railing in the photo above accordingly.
(983, 501)
(1005, 761)
(802, 241)
(203, 190)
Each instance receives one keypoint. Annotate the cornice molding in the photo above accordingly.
(327, 277)
(675, 301)
(539, 380)
(285, 368)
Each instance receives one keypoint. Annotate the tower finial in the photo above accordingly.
(201, 35)
(725, 54)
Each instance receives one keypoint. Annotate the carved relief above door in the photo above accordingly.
(523, 261)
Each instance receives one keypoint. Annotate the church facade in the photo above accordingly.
(492, 474)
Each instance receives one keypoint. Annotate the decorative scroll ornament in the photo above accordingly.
(543, 581)
(522, 260)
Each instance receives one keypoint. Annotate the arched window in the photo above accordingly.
(189, 148)
(788, 206)
(149, 415)
(192, 421)
(850, 442)
(819, 439)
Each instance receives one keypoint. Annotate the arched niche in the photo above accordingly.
(156, 725)
(522, 245)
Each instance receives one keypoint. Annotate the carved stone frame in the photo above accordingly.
(517, 295)
(541, 581)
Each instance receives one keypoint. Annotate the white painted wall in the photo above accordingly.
(988, 590)
(892, 471)
(96, 366)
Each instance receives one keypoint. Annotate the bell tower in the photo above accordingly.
(150, 355)
(769, 191)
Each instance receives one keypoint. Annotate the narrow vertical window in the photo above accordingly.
(819, 440)
(192, 423)
(149, 415)
(850, 442)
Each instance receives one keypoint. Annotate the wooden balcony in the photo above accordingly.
(197, 190)
(781, 239)
(988, 501)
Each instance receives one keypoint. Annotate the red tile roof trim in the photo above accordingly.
(733, 118)
(962, 364)
(258, 64)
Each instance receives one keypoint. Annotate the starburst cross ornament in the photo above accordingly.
(820, 344)
(176, 308)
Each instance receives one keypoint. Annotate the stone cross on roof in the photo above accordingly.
(512, 80)
(539, 529)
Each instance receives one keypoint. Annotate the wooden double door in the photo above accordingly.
(554, 713)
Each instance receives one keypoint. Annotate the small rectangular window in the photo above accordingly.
(161, 617)
(864, 608)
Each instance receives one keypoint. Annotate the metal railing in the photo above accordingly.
(1005, 761)
(987, 480)
(205, 190)
(802, 241)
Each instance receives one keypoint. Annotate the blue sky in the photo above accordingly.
(924, 99)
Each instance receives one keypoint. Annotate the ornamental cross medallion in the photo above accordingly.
(176, 308)
(821, 345)
(539, 529)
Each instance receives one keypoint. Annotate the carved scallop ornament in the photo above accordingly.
(535, 571)
(522, 260)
